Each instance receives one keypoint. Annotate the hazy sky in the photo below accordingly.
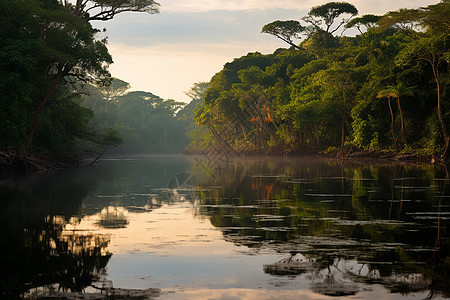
(190, 41)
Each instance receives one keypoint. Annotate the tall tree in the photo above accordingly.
(286, 31)
(341, 85)
(401, 90)
(389, 92)
(103, 10)
(328, 13)
(434, 50)
(368, 21)
(113, 89)
(71, 41)
(20, 52)
(198, 91)
(69, 51)
(432, 47)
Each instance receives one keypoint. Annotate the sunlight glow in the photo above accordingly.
(168, 70)
(159, 232)
(195, 39)
(364, 6)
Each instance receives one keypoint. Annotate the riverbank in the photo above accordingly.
(392, 156)
(23, 162)
(385, 155)
(11, 160)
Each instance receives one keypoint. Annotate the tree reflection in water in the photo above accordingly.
(39, 256)
(342, 223)
(339, 226)
(113, 217)
(37, 252)
(295, 264)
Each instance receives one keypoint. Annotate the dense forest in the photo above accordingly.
(382, 90)
(379, 89)
(59, 102)
(146, 123)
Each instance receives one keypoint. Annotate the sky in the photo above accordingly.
(190, 41)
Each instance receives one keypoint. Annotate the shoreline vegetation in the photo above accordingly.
(379, 92)
(381, 156)
(20, 162)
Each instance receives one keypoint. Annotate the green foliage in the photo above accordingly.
(369, 21)
(145, 122)
(285, 31)
(328, 13)
(19, 67)
(103, 10)
(334, 93)
(321, 43)
(48, 51)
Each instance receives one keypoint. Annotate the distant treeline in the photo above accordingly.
(381, 90)
(145, 122)
(57, 96)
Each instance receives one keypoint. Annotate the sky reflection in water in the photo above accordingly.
(197, 228)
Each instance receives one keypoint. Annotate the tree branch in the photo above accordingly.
(41, 106)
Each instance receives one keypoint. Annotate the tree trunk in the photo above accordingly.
(444, 131)
(401, 120)
(41, 106)
(77, 9)
(342, 132)
(392, 123)
(220, 139)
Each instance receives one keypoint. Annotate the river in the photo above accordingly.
(184, 227)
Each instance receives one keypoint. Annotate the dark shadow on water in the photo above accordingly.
(39, 256)
(341, 226)
(332, 218)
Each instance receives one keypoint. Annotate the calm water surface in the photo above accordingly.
(198, 228)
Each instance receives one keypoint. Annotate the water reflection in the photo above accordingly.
(112, 217)
(335, 218)
(181, 227)
(49, 252)
(37, 252)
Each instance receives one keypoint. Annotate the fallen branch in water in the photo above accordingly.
(95, 160)
(13, 161)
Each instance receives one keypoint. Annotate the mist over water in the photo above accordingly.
(179, 227)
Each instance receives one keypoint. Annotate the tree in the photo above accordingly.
(431, 47)
(328, 13)
(369, 21)
(341, 85)
(314, 95)
(406, 20)
(71, 42)
(198, 91)
(321, 43)
(434, 50)
(69, 51)
(285, 31)
(389, 92)
(197, 94)
(396, 92)
(103, 10)
(20, 50)
(401, 90)
(113, 89)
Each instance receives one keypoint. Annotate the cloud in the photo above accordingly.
(224, 20)
(381, 7)
(184, 27)
(365, 6)
(190, 41)
(168, 70)
(232, 5)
